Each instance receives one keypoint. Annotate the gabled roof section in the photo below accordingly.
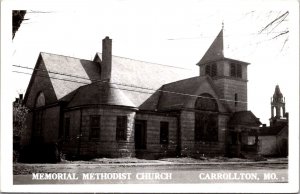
(244, 118)
(176, 95)
(69, 73)
(215, 51)
(139, 80)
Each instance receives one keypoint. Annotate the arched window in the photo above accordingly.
(281, 112)
(38, 118)
(206, 121)
(206, 102)
(40, 100)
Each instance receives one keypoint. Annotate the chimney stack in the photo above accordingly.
(21, 97)
(106, 58)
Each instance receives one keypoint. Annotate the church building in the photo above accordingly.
(119, 107)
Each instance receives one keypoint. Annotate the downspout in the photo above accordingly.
(61, 119)
(60, 128)
(80, 131)
(178, 148)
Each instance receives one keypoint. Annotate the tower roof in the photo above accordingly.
(216, 51)
(277, 96)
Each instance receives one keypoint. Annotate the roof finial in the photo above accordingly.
(222, 24)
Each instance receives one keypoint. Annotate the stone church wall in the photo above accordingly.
(154, 148)
(50, 126)
(267, 145)
(228, 88)
(191, 148)
(106, 145)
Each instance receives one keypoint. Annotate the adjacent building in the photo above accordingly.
(274, 138)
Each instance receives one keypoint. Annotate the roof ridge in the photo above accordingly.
(182, 80)
(149, 62)
(107, 80)
(67, 56)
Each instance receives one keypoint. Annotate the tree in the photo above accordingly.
(19, 118)
(17, 19)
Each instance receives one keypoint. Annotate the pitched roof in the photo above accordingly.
(274, 130)
(139, 80)
(217, 51)
(175, 95)
(69, 73)
(244, 118)
(146, 74)
(277, 96)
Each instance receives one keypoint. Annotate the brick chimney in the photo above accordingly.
(106, 58)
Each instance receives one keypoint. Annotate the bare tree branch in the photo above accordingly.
(285, 41)
(275, 20)
(282, 33)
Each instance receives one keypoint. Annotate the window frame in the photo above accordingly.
(164, 133)
(235, 99)
(38, 124)
(40, 100)
(121, 128)
(239, 71)
(236, 70)
(211, 69)
(95, 128)
(202, 120)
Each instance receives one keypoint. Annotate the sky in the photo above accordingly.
(170, 32)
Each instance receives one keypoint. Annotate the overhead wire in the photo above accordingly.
(114, 83)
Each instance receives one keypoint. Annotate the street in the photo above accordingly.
(163, 172)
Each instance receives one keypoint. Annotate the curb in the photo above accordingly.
(159, 163)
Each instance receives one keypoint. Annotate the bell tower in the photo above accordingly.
(229, 75)
(278, 113)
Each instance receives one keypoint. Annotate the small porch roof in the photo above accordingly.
(244, 119)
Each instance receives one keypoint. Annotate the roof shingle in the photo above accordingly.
(78, 72)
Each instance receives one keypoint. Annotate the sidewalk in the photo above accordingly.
(176, 161)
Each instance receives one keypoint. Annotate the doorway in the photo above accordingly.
(140, 134)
